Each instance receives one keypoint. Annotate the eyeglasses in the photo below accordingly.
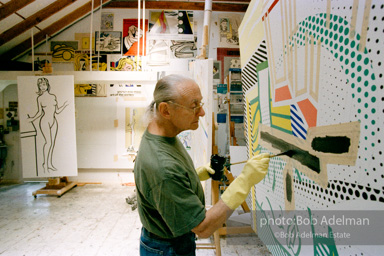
(195, 110)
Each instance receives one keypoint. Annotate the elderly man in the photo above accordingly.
(169, 193)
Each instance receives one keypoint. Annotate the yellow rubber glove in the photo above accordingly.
(204, 171)
(253, 172)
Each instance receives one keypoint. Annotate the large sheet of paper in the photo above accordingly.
(47, 126)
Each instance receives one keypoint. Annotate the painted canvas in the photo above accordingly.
(312, 80)
(47, 126)
(64, 51)
(170, 24)
(132, 37)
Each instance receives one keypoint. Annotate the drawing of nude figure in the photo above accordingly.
(47, 109)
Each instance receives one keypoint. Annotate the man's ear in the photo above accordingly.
(164, 110)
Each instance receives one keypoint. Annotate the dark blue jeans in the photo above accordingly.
(151, 245)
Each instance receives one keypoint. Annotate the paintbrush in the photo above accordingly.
(288, 153)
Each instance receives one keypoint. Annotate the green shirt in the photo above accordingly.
(169, 193)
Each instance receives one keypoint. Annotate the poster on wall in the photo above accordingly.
(47, 126)
(311, 87)
(132, 37)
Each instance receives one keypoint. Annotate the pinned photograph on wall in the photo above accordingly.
(47, 126)
(132, 37)
(108, 42)
(64, 51)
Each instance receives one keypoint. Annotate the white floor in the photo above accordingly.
(87, 220)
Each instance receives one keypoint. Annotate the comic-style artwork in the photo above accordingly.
(132, 37)
(82, 62)
(107, 21)
(311, 81)
(108, 42)
(47, 126)
(228, 30)
(64, 51)
(127, 63)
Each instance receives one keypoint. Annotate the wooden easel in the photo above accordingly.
(56, 187)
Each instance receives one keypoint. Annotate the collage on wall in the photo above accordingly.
(166, 35)
(313, 86)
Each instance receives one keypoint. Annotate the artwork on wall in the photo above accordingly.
(127, 63)
(84, 41)
(64, 51)
(132, 37)
(47, 126)
(158, 52)
(107, 21)
(90, 90)
(82, 62)
(41, 61)
(310, 79)
(168, 24)
(228, 30)
(108, 42)
(183, 49)
(216, 70)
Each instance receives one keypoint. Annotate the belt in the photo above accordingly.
(154, 236)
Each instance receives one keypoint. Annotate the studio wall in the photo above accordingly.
(312, 82)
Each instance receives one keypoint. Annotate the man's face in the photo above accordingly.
(186, 116)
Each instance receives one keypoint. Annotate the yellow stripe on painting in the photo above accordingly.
(282, 122)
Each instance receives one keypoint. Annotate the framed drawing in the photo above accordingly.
(108, 42)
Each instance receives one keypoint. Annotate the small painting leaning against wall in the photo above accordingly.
(47, 126)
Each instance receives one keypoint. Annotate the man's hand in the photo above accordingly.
(204, 171)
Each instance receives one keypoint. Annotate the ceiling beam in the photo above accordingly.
(179, 5)
(12, 6)
(51, 30)
(33, 20)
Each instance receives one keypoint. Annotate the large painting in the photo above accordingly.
(133, 37)
(312, 80)
(47, 126)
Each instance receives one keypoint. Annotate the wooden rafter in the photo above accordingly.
(33, 20)
(236, 6)
(12, 6)
(52, 29)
